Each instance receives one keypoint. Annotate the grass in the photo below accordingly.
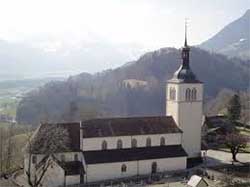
(19, 142)
(244, 131)
(8, 106)
(4, 124)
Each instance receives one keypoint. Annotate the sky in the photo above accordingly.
(151, 23)
(66, 37)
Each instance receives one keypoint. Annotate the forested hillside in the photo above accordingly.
(219, 104)
(108, 94)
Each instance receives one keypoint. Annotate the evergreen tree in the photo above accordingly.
(234, 108)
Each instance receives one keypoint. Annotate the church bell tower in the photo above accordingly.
(184, 96)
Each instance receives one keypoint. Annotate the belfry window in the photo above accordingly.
(188, 94)
(172, 94)
(193, 94)
(119, 144)
(104, 145)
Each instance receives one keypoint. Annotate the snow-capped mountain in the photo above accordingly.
(233, 39)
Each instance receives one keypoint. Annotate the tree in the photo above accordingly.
(1, 149)
(9, 148)
(47, 140)
(235, 142)
(234, 108)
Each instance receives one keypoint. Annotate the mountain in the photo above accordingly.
(136, 88)
(233, 40)
(47, 57)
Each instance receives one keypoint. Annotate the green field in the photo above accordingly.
(243, 131)
(8, 106)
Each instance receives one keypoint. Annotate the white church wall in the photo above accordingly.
(188, 115)
(54, 176)
(39, 157)
(142, 167)
(190, 122)
(183, 87)
(69, 156)
(96, 143)
(165, 164)
(171, 105)
(99, 172)
(72, 179)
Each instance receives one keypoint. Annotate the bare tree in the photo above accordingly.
(1, 150)
(9, 148)
(235, 142)
(47, 140)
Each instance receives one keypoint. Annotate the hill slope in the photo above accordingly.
(233, 40)
(105, 94)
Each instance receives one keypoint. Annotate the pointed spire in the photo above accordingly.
(185, 44)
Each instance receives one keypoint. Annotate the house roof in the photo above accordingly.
(184, 75)
(133, 154)
(129, 126)
(72, 167)
(74, 134)
(219, 121)
(73, 130)
(195, 181)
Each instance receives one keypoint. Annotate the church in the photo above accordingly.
(114, 148)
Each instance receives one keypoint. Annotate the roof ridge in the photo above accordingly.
(129, 117)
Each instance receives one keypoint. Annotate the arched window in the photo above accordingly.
(194, 94)
(154, 167)
(162, 142)
(134, 143)
(188, 94)
(34, 159)
(123, 168)
(148, 142)
(104, 145)
(119, 144)
(172, 94)
(76, 157)
(63, 158)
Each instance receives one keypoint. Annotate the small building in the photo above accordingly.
(220, 122)
(134, 83)
(197, 181)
